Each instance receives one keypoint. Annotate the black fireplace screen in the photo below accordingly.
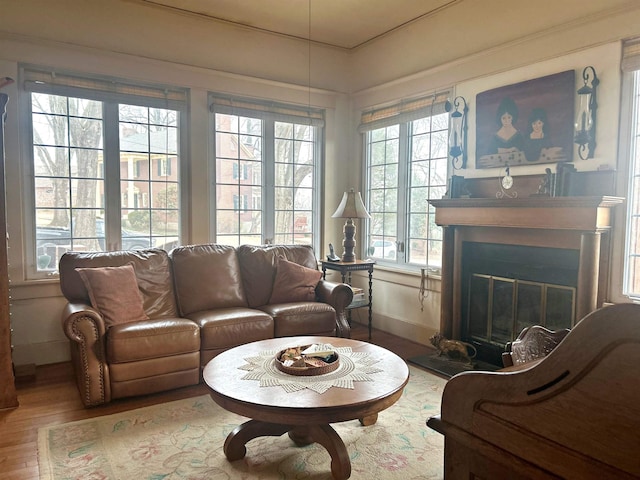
(507, 288)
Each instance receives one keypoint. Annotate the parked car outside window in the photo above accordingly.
(383, 249)
(52, 242)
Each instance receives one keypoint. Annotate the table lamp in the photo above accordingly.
(350, 207)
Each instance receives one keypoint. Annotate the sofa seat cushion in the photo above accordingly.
(302, 318)
(229, 327)
(154, 338)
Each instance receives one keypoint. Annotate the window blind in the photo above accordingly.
(42, 80)
(258, 109)
(404, 111)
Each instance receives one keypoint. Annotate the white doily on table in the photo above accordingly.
(353, 367)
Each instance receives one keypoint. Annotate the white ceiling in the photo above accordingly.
(340, 23)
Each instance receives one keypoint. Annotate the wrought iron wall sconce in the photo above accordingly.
(585, 135)
(458, 135)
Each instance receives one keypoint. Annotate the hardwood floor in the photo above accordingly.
(51, 397)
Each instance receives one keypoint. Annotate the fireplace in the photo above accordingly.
(506, 288)
(510, 263)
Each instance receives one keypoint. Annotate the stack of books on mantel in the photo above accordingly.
(358, 295)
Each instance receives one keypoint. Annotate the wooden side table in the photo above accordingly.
(345, 269)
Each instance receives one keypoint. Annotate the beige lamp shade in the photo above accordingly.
(351, 206)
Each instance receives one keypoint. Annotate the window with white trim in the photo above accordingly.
(406, 165)
(105, 162)
(267, 164)
(630, 151)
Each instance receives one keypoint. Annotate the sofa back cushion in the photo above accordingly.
(153, 273)
(258, 265)
(207, 277)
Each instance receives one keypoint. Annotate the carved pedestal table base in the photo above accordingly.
(304, 407)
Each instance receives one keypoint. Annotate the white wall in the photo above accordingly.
(397, 309)
(125, 40)
(147, 32)
(467, 41)
(121, 38)
(606, 61)
(470, 68)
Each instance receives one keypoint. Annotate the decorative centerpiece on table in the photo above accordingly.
(306, 360)
(343, 368)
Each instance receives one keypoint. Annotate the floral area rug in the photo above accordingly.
(184, 440)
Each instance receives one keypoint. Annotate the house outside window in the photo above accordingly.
(406, 165)
(164, 166)
(240, 203)
(270, 154)
(240, 173)
(92, 154)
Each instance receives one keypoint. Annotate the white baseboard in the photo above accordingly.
(400, 328)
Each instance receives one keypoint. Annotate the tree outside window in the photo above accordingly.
(272, 165)
(73, 179)
(406, 166)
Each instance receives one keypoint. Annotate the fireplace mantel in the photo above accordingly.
(561, 213)
(579, 223)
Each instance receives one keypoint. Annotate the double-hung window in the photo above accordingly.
(105, 163)
(267, 164)
(405, 166)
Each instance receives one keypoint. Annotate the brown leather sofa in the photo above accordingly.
(200, 300)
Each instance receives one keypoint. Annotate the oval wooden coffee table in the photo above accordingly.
(305, 414)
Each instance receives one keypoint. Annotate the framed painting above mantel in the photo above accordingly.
(525, 123)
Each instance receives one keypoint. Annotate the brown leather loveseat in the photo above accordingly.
(145, 321)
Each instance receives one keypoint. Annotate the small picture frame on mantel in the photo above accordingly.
(457, 187)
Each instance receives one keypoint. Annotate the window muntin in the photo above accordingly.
(68, 176)
(238, 148)
(266, 179)
(631, 286)
(427, 180)
(406, 166)
(75, 171)
(383, 160)
(293, 186)
(150, 202)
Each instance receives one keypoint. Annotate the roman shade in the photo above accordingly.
(404, 111)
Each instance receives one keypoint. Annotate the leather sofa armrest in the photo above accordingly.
(85, 328)
(339, 296)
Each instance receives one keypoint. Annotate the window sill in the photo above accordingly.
(405, 270)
